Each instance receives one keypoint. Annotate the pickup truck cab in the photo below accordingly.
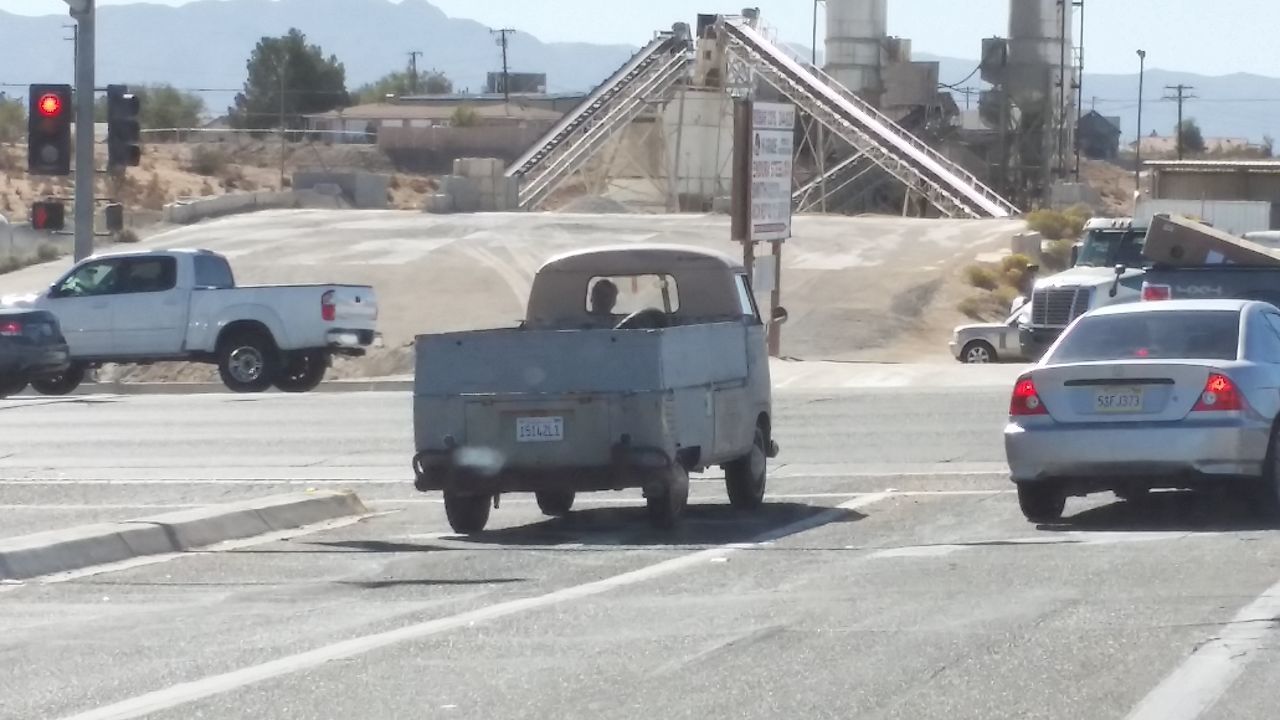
(184, 305)
(634, 366)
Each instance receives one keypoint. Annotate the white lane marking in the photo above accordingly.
(187, 692)
(103, 506)
(1202, 679)
(225, 546)
(1071, 537)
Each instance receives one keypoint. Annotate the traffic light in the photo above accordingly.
(49, 130)
(124, 133)
(48, 215)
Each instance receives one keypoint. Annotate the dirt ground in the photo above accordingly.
(174, 171)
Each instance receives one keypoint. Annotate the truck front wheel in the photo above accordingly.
(302, 371)
(247, 361)
(467, 513)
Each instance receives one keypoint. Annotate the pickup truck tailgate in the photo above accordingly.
(355, 307)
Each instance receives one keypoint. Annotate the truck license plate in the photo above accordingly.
(540, 429)
(1118, 400)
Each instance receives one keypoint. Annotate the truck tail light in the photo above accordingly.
(328, 311)
(1025, 400)
(10, 328)
(1156, 292)
(1219, 395)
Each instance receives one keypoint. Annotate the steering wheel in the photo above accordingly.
(647, 319)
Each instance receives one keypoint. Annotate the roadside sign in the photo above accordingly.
(773, 135)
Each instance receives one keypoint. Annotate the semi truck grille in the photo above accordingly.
(1057, 307)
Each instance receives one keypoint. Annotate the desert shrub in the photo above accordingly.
(127, 236)
(1055, 225)
(209, 161)
(982, 277)
(46, 252)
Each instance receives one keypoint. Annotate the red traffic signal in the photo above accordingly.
(48, 215)
(50, 105)
(49, 130)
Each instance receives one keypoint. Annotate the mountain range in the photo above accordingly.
(203, 46)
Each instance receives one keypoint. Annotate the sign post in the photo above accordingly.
(773, 128)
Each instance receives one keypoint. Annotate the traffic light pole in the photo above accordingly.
(86, 171)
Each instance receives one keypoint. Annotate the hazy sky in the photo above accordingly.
(1213, 37)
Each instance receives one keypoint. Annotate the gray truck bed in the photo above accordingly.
(1236, 282)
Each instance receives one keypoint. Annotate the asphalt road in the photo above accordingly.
(891, 576)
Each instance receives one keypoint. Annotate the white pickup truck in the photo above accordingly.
(184, 305)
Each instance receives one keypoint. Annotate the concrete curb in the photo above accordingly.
(75, 548)
(199, 388)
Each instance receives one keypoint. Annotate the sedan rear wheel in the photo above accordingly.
(1041, 502)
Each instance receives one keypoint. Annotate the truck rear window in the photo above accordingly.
(1161, 335)
(632, 293)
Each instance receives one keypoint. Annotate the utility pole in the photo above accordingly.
(1137, 173)
(413, 70)
(1079, 87)
(1181, 98)
(283, 68)
(75, 44)
(967, 92)
(506, 68)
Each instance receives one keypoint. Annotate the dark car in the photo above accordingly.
(32, 350)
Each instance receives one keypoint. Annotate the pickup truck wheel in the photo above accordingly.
(60, 384)
(246, 362)
(467, 513)
(302, 371)
(745, 478)
(1041, 502)
(665, 506)
(555, 503)
(11, 386)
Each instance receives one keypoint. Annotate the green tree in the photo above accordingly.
(404, 83)
(311, 83)
(13, 119)
(1192, 138)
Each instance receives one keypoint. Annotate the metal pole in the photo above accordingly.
(85, 166)
(283, 65)
(775, 302)
(1137, 173)
(740, 189)
(1080, 89)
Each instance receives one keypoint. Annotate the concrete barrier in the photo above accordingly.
(185, 212)
(86, 546)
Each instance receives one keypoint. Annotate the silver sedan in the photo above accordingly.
(1178, 394)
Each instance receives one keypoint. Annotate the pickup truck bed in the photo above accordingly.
(1237, 282)
(529, 410)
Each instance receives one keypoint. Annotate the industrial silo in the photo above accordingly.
(856, 31)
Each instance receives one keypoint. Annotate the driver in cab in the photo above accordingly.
(604, 297)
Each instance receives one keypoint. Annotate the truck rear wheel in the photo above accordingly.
(745, 478)
(247, 361)
(61, 384)
(555, 503)
(302, 371)
(467, 513)
(11, 386)
(666, 505)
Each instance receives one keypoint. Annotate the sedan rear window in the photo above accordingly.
(1161, 335)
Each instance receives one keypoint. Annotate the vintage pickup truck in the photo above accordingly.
(633, 367)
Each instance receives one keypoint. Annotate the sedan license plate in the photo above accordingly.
(540, 429)
(1118, 400)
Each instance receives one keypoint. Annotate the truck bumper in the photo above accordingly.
(352, 342)
(1035, 341)
(34, 362)
(468, 470)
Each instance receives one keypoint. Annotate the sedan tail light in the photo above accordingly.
(327, 309)
(1220, 394)
(1025, 400)
(10, 328)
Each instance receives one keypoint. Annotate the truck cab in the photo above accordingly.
(1107, 269)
